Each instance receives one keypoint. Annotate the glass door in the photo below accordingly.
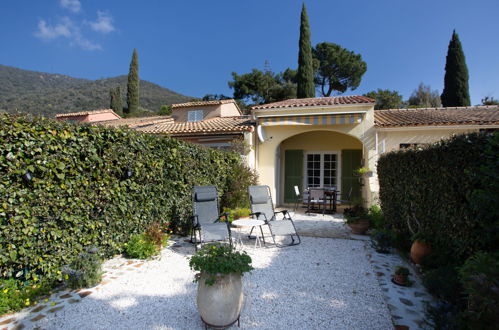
(321, 169)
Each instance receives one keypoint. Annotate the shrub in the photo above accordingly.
(237, 213)
(155, 234)
(376, 216)
(16, 294)
(85, 271)
(480, 278)
(141, 247)
(93, 186)
(449, 189)
(382, 240)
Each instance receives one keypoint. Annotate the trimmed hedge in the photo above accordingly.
(80, 194)
(448, 191)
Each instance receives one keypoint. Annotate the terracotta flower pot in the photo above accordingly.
(359, 227)
(400, 279)
(220, 304)
(419, 250)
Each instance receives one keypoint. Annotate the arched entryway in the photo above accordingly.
(318, 158)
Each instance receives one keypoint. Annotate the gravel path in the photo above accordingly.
(321, 284)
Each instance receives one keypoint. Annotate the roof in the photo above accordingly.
(135, 122)
(201, 103)
(316, 101)
(85, 113)
(476, 115)
(218, 125)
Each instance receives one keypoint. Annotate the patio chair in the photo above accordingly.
(316, 197)
(348, 200)
(206, 219)
(262, 208)
(299, 198)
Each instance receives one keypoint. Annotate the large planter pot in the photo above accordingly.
(419, 250)
(359, 227)
(220, 304)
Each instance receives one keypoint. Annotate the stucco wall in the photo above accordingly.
(100, 117)
(209, 111)
(229, 110)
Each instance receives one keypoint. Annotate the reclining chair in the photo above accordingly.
(262, 208)
(206, 219)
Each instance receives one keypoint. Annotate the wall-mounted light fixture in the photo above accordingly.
(27, 177)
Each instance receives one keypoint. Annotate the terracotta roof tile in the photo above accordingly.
(201, 103)
(135, 122)
(316, 101)
(219, 125)
(477, 115)
(84, 113)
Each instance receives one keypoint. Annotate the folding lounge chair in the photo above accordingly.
(262, 208)
(206, 224)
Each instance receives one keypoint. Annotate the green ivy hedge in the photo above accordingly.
(449, 192)
(80, 194)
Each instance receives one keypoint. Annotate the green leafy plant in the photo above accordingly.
(362, 171)
(237, 213)
(16, 295)
(480, 279)
(85, 270)
(219, 259)
(422, 237)
(157, 235)
(141, 247)
(401, 270)
(376, 216)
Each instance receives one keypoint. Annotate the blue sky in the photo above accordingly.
(193, 46)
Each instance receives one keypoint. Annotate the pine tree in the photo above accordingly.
(132, 95)
(456, 90)
(116, 100)
(305, 76)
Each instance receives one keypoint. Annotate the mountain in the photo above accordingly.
(47, 94)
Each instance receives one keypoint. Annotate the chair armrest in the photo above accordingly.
(258, 214)
(284, 213)
(223, 215)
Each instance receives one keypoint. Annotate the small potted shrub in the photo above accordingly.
(401, 276)
(420, 247)
(357, 218)
(220, 294)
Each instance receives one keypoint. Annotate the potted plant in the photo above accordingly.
(357, 218)
(363, 171)
(220, 296)
(401, 276)
(420, 247)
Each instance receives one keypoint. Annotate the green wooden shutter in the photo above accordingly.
(293, 173)
(350, 161)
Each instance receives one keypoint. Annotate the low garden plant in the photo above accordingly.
(16, 294)
(217, 260)
(147, 244)
(85, 270)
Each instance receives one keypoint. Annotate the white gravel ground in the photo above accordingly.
(322, 283)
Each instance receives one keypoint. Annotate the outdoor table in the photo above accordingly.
(332, 195)
(249, 223)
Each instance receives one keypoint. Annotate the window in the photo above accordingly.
(321, 169)
(195, 115)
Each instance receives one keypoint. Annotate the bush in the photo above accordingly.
(237, 213)
(92, 186)
(377, 218)
(449, 189)
(141, 247)
(85, 271)
(480, 278)
(16, 294)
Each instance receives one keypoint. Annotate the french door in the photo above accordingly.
(321, 169)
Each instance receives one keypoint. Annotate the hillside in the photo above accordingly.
(47, 94)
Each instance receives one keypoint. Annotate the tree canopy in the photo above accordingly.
(260, 87)
(456, 90)
(490, 100)
(133, 84)
(386, 99)
(424, 97)
(305, 75)
(116, 101)
(337, 69)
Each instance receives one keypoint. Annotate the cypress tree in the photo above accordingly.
(116, 100)
(132, 95)
(456, 90)
(305, 75)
